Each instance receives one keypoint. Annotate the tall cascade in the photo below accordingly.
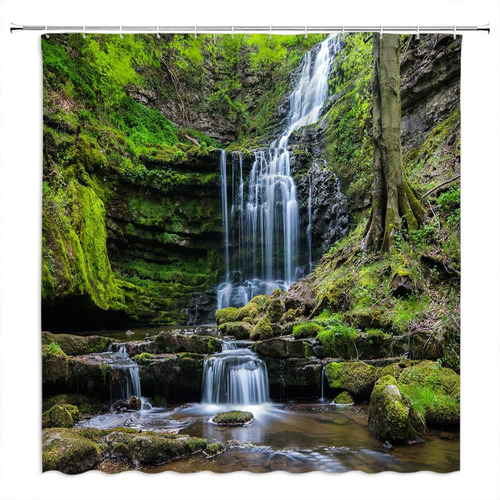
(234, 376)
(261, 226)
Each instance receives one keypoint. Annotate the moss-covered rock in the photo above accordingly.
(275, 308)
(429, 373)
(171, 342)
(73, 345)
(261, 301)
(64, 415)
(282, 347)
(77, 450)
(152, 448)
(434, 392)
(344, 398)
(251, 310)
(235, 417)
(69, 451)
(355, 377)
(54, 365)
(390, 415)
(226, 315)
(214, 449)
(262, 330)
(86, 404)
(239, 329)
(290, 316)
(304, 330)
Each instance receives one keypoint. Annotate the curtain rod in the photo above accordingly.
(47, 29)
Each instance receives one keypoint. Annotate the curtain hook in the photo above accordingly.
(46, 31)
(454, 32)
(270, 32)
(418, 32)
(381, 31)
(195, 32)
(84, 34)
(121, 35)
(343, 30)
(158, 32)
(305, 32)
(232, 31)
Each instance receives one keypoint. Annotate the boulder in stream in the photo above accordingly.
(391, 416)
(235, 417)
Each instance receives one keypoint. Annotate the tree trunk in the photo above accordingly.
(394, 203)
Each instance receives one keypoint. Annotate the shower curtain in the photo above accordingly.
(251, 252)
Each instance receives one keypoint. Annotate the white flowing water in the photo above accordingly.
(261, 230)
(309, 224)
(235, 376)
(130, 384)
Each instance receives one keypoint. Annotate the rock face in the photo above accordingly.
(430, 85)
(294, 377)
(282, 347)
(390, 415)
(329, 208)
(172, 377)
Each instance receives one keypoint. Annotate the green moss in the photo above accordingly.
(226, 315)
(390, 415)
(235, 417)
(344, 398)
(239, 329)
(262, 330)
(54, 365)
(356, 377)
(214, 449)
(262, 301)
(64, 415)
(434, 391)
(304, 330)
(74, 345)
(251, 310)
(143, 358)
(68, 451)
(338, 339)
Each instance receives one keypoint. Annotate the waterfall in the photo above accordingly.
(225, 220)
(323, 383)
(234, 376)
(309, 224)
(129, 384)
(261, 230)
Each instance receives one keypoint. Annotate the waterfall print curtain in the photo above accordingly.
(251, 253)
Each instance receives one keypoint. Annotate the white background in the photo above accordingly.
(20, 201)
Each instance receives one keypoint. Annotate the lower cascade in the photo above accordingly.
(130, 383)
(235, 376)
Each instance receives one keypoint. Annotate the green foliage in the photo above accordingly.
(339, 341)
(54, 348)
(449, 203)
(349, 146)
(144, 126)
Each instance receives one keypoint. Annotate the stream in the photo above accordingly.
(296, 435)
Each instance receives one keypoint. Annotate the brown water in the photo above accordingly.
(296, 437)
